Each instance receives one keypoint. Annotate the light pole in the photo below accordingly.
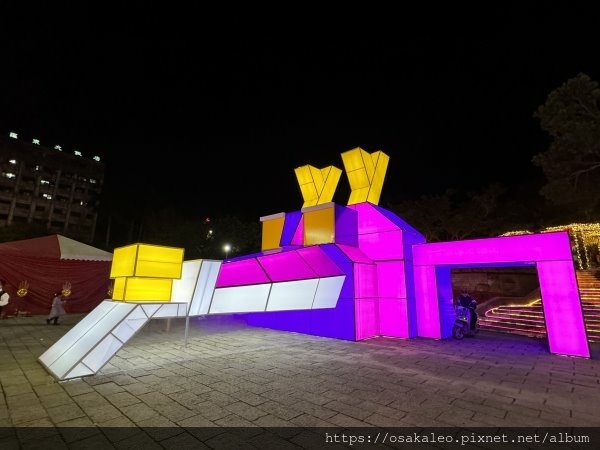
(226, 249)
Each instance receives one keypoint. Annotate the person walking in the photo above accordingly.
(4, 298)
(57, 309)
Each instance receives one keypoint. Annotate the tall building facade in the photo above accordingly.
(49, 187)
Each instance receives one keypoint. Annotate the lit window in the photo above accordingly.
(82, 203)
(37, 168)
(8, 175)
(13, 135)
(77, 153)
(96, 158)
(92, 181)
(44, 182)
(36, 141)
(12, 161)
(47, 196)
(58, 147)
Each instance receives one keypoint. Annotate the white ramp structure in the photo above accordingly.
(89, 345)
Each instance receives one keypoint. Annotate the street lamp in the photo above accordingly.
(226, 249)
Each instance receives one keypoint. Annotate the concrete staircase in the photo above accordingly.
(526, 316)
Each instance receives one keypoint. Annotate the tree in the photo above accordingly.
(455, 216)
(202, 237)
(571, 164)
(17, 232)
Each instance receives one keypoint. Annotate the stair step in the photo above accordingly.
(528, 319)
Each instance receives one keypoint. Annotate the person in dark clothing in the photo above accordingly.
(465, 299)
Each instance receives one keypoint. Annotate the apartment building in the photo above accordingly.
(51, 187)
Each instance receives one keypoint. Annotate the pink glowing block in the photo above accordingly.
(551, 252)
(562, 309)
(371, 219)
(286, 266)
(241, 273)
(393, 317)
(367, 318)
(319, 261)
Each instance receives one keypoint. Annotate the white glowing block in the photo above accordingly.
(76, 344)
(292, 295)
(204, 288)
(328, 292)
(102, 353)
(240, 299)
(183, 288)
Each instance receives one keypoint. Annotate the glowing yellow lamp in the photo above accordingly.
(319, 224)
(366, 173)
(144, 272)
(144, 260)
(139, 289)
(272, 228)
(317, 185)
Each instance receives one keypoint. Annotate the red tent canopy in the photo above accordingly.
(42, 266)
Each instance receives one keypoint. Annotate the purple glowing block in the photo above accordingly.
(298, 238)
(291, 225)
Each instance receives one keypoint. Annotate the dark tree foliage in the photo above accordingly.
(455, 216)
(571, 164)
(17, 232)
(202, 237)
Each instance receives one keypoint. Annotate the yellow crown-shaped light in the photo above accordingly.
(366, 172)
(317, 185)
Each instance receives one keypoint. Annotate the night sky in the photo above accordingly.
(219, 109)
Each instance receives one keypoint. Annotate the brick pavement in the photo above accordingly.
(159, 392)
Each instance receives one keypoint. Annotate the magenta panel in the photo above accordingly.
(365, 280)
(428, 314)
(355, 254)
(531, 247)
(240, 273)
(382, 246)
(367, 322)
(563, 313)
(391, 279)
(319, 261)
(371, 220)
(393, 317)
(552, 253)
(286, 266)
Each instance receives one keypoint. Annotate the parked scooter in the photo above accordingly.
(463, 325)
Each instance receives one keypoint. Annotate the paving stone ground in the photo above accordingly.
(229, 385)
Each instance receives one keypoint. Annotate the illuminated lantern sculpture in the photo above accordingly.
(348, 272)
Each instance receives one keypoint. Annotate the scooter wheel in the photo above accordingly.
(458, 332)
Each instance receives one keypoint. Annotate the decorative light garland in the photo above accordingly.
(583, 236)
